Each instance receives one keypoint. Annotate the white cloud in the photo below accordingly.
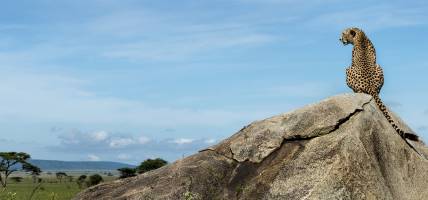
(393, 104)
(56, 98)
(184, 47)
(56, 129)
(7, 27)
(38, 86)
(73, 137)
(143, 140)
(99, 135)
(162, 36)
(3, 140)
(372, 17)
(423, 128)
(306, 89)
(43, 96)
(123, 156)
(182, 141)
(121, 142)
(118, 146)
(40, 96)
(93, 157)
(96, 140)
(210, 141)
(76, 140)
(276, 2)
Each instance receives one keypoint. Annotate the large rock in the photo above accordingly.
(339, 148)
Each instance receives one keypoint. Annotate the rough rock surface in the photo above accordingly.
(339, 148)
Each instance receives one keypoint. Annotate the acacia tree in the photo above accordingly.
(151, 164)
(8, 164)
(60, 175)
(94, 180)
(35, 171)
(81, 180)
(127, 172)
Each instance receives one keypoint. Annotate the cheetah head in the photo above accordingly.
(349, 35)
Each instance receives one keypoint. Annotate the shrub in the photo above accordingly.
(94, 180)
(17, 179)
(151, 164)
(81, 180)
(127, 172)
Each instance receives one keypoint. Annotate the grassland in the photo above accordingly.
(50, 188)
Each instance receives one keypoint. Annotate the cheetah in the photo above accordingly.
(365, 75)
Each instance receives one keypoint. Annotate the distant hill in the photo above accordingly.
(56, 165)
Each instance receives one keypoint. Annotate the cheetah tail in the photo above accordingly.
(385, 112)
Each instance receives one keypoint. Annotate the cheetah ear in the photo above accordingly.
(353, 33)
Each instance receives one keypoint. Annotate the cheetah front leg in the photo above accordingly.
(348, 77)
(351, 80)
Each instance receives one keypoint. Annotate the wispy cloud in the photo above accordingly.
(124, 157)
(423, 128)
(372, 18)
(289, 2)
(43, 97)
(121, 142)
(143, 35)
(210, 141)
(97, 140)
(303, 90)
(2, 140)
(181, 141)
(143, 140)
(164, 38)
(178, 48)
(136, 65)
(393, 104)
(126, 147)
(99, 135)
(81, 141)
(92, 157)
(8, 27)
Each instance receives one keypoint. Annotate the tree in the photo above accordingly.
(127, 172)
(94, 180)
(81, 180)
(35, 171)
(17, 179)
(8, 164)
(60, 175)
(151, 164)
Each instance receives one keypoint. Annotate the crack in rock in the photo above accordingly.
(324, 131)
(218, 153)
(339, 123)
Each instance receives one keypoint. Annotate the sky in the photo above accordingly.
(129, 80)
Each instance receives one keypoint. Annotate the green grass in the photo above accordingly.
(51, 189)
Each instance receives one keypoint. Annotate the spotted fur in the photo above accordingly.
(365, 75)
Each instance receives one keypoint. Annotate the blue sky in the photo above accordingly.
(129, 80)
